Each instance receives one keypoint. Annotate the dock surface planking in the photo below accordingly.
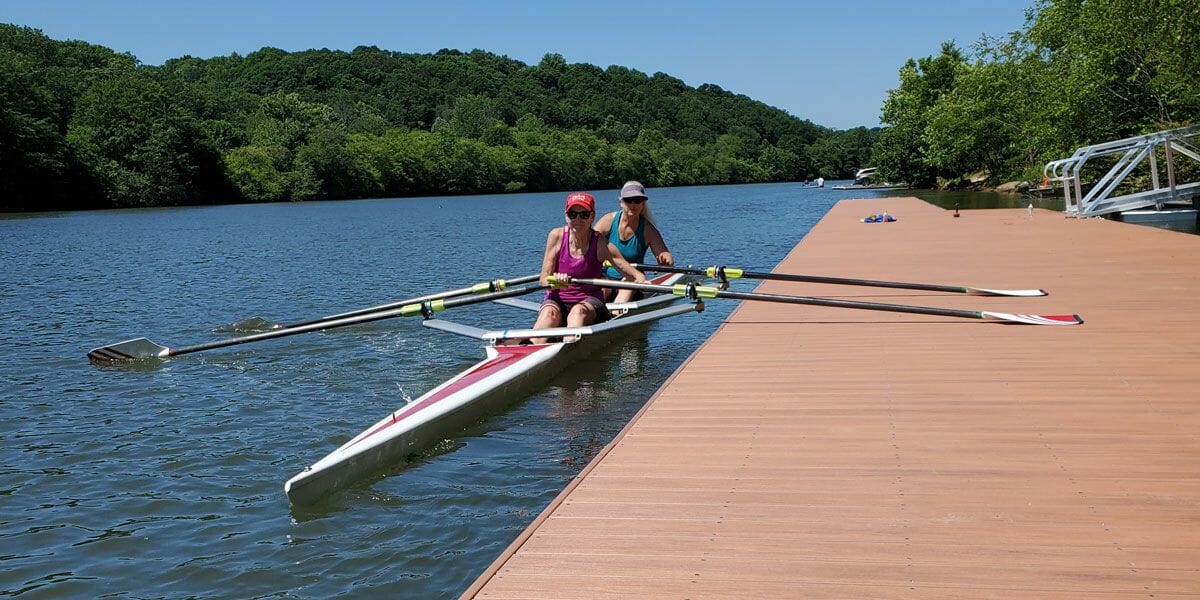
(814, 452)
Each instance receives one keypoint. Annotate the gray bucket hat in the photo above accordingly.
(633, 189)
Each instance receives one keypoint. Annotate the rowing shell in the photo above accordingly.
(509, 372)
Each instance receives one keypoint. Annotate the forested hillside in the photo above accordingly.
(86, 127)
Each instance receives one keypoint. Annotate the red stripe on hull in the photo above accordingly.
(505, 357)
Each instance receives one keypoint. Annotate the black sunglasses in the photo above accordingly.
(634, 200)
(583, 214)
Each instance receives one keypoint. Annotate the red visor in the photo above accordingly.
(582, 200)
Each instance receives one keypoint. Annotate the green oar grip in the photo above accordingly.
(555, 283)
(489, 286)
(409, 310)
(702, 291)
(730, 273)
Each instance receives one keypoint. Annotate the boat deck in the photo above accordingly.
(812, 452)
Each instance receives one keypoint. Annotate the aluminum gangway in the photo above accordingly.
(1092, 194)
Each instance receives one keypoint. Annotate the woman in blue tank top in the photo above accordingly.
(631, 231)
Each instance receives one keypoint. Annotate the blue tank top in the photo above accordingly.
(633, 249)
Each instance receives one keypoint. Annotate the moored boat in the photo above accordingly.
(887, 186)
(862, 181)
(506, 374)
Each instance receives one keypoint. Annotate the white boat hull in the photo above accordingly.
(507, 374)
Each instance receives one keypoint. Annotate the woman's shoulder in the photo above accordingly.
(604, 224)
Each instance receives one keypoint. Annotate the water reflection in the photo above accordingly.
(1052, 200)
(967, 200)
(591, 409)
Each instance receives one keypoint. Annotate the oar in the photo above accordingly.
(144, 348)
(694, 291)
(479, 288)
(724, 273)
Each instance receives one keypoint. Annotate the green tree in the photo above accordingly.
(901, 153)
(1081, 72)
(255, 170)
(472, 116)
(33, 158)
(841, 154)
(142, 149)
(1122, 66)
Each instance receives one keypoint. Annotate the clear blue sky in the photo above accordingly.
(831, 62)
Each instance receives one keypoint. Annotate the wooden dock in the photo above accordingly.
(811, 452)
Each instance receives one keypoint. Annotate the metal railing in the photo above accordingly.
(1126, 155)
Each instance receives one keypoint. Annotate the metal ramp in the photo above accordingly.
(1098, 192)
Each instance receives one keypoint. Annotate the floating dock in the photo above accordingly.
(812, 452)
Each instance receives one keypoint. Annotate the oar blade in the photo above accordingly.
(128, 350)
(1021, 293)
(1033, 319)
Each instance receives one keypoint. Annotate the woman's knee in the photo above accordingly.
(549, 313)
(583, 313)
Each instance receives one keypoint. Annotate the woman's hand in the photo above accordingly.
(665, 259)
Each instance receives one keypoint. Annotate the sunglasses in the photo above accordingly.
(634, 200)
(583, 214)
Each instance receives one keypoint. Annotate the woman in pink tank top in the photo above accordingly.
(578, 251)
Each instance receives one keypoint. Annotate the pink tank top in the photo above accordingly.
(586, 266)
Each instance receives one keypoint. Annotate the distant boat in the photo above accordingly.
(861, 177)
(882, 186)
(862, 181)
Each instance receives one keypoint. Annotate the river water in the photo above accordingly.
(166, 480)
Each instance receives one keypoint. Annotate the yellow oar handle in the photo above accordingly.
(701, 291)
(730, 272)
(555, 283)
(409, 310)
(489, 286)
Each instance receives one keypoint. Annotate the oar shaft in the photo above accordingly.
(904, 308)
(732, 273)
(928, 287)
(409, 309)
(711, 292)
(479, 288)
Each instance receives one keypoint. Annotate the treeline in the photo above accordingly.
(86, 127)
(1081, 72)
